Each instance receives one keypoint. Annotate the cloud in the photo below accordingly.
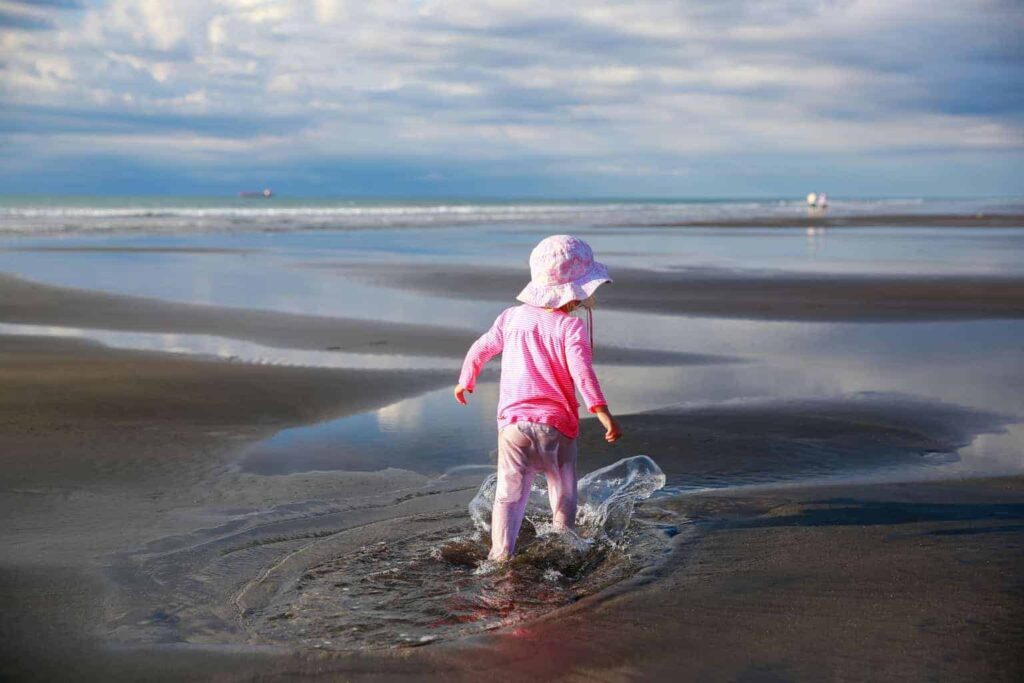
(32, 15)
(24, 22)
(49, 120)
(57, 4)
(600, 86)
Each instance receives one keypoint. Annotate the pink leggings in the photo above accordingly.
(524, 449)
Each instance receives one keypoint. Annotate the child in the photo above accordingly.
(544, 352)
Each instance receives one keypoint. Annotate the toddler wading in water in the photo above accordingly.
(545, 353)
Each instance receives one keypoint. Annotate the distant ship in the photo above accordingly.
(265, 193)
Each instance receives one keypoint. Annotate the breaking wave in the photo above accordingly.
(97, 215)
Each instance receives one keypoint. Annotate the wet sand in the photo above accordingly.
(25, 302)
(128, 250)
(899, 582)
(903, 582)
(776, 440)
(110, 450)
(104, 449)
(935, 220)
(722, 293)
(90, 408)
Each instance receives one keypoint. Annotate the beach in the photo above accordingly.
(200, 425)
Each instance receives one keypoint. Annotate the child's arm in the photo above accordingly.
(579, 356)
(483, 349)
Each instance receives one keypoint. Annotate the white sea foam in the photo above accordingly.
(57, 215)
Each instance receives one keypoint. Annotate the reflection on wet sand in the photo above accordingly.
(774, 441)
(722, 293)
(72, 310)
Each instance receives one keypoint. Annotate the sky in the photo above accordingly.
(505, 98)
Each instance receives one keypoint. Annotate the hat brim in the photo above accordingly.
(553, 296)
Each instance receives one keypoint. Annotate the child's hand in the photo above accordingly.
(612, 430)
(460, 395)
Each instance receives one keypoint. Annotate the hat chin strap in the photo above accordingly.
(590, 326)
(590, 317)
(588, 304)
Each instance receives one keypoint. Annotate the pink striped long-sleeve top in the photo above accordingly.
(543, 354)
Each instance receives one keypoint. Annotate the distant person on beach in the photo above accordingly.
(817, 203)
(545, 353)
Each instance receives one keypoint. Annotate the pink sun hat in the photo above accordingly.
(562, 269)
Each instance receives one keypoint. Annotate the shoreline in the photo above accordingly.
(84, 405)
(799, 218)
(31, 303)
(938, 220)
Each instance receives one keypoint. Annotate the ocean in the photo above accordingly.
(60, 215)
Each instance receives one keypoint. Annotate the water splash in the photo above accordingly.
(607, 495)
(606, 498)
(418, 588)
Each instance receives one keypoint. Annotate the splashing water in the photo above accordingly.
(607, 495)
(606, 498)
(419, 588)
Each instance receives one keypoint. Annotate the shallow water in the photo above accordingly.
(429, 434)
(782, 362)
(974, 364)
(292, 272)
(381, 570)
(425, 587)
